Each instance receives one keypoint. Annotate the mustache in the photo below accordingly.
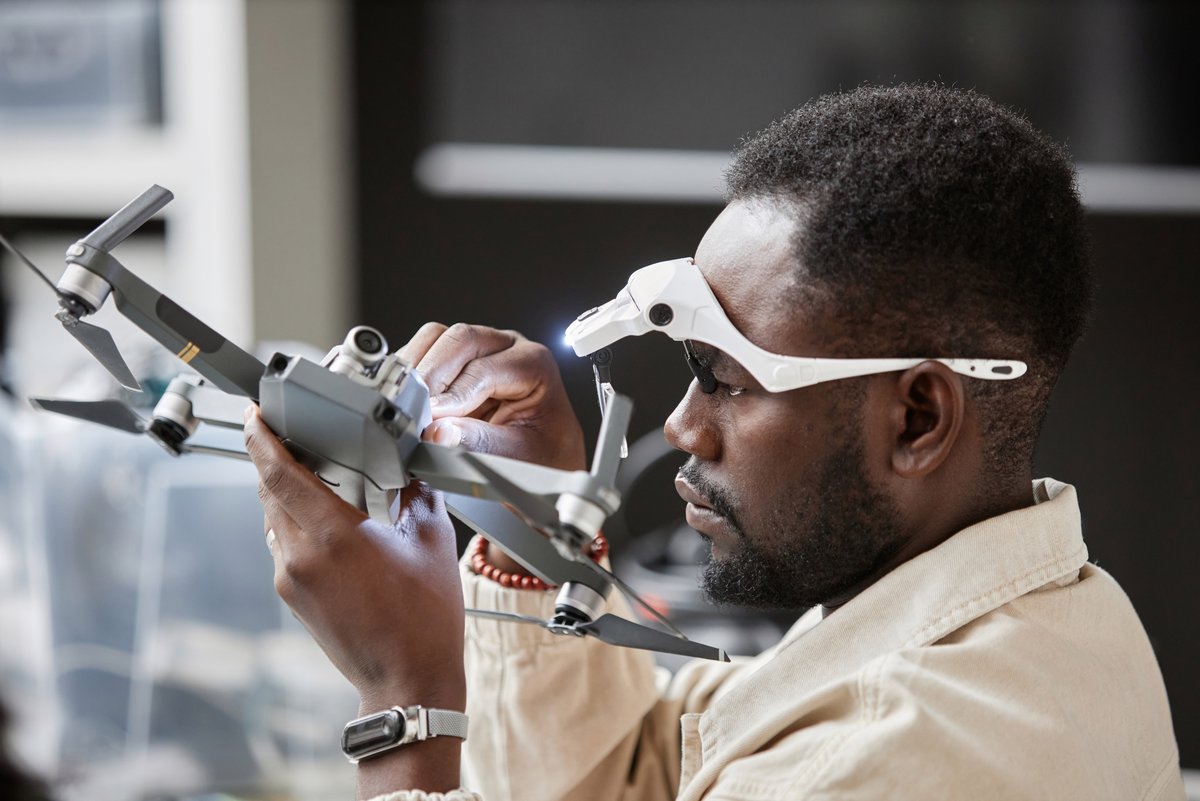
(717, 496)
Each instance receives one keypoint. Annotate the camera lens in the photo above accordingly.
(368, 341)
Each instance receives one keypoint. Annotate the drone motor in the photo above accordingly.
(84, 287)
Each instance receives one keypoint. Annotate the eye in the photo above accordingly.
(704, 374)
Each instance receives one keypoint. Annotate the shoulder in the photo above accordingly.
(1055, 694)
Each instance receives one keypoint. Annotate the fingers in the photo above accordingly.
(422, 341)
(520, 373)
(474, 435)
(458, 346)
(482, 380)
(293, 497)
(502, 440)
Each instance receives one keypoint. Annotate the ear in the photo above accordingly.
(928, 417)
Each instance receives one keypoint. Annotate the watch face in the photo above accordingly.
(366, 734)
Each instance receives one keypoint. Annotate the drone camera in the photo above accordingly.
(365, 345)
(368, 341)
(360, 353)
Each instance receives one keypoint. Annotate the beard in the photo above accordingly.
(815, 546)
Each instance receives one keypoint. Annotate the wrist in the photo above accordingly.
(412, 747)
(450, 693)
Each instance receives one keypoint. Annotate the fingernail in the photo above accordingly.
(248, 413)
(434, 400)
(448, 434)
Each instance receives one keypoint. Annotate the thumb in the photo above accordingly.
(480, 437)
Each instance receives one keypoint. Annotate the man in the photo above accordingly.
(959, 642)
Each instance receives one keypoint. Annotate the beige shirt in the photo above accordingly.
(998, 665)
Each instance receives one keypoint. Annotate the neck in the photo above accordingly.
(937, 522)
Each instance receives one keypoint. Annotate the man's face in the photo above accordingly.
(779, 483)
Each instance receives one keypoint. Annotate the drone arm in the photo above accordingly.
(532, 550)
(210, 354)
(209, 450)
(446, 469)
(613, 428)
(212, 406)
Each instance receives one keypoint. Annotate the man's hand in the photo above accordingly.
(496, 392)
(383, 602)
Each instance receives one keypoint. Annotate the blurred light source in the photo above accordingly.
(695, 176)
(583, 173)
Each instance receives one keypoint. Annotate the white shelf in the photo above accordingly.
(64, 174)
(695, 176)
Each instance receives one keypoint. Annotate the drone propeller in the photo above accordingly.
(115, 414)
(100, 344)
(111, 413)
(535, 510)
(95, 339)
(617, 631)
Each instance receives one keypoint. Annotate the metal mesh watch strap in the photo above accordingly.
(380, 732)
(444, 723)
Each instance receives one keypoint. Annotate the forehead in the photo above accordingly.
(748, 260)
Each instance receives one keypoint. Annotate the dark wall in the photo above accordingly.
(1121, 428)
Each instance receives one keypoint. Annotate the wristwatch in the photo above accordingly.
(382, 731)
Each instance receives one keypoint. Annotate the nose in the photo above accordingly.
(691, 429)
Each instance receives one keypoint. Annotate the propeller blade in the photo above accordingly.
(25, 260)
(130, 217)
(111, 413)
(538, 511)
(508, 617)
(619, 631)
(100, 344)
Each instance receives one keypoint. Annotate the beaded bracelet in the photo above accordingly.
(597, 550)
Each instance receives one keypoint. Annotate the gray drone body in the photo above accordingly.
(354, 420)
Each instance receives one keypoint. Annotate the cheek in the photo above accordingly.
(776, 444)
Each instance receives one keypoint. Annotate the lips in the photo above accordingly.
(700, 513)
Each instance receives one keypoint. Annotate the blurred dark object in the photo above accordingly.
(1111, 79)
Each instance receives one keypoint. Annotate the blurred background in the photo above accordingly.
(506, 162)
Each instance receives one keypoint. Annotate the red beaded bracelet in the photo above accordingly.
(597, 550)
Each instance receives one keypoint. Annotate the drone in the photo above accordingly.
(355, 419)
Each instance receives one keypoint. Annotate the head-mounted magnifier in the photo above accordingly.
(673, 297)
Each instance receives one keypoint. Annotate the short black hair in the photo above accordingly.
(934, 222)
